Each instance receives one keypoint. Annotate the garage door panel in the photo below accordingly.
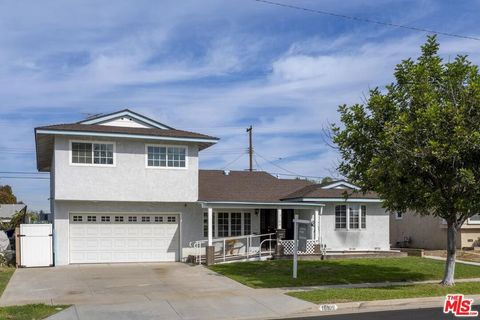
(97, 242)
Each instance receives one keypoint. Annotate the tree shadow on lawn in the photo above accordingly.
(279, 273)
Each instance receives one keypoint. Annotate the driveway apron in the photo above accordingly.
(146, 291)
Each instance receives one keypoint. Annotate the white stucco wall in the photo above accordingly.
(374, 237)
(191, 221)
(128, 180)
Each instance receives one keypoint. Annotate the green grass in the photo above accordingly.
(26, 312)
(278, 273)
(385, 293)
(29, 312)
(5, 275)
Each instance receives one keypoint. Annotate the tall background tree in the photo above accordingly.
(6, 195)
(417, 143)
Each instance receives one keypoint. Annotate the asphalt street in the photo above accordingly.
(417, 314)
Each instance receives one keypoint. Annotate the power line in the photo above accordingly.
(344, 16)
(22, 172)
(295, 175)
(232, 162)
(256, 162)
(33, 178)
(276, 165)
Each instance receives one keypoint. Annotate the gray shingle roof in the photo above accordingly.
(245, 186)
(8, 210)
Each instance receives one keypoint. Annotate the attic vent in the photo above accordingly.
(226, 172)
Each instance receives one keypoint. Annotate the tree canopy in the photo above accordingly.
(417, 143)
(6, 195)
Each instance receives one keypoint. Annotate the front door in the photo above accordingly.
(268, 221)
(287, 223)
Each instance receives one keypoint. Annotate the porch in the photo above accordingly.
(232, 237)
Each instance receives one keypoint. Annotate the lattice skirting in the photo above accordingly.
(288, 247)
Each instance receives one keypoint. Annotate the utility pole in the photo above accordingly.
(250, 148)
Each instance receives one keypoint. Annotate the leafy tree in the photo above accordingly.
(6, 195)
(326, 180)
(417, 143)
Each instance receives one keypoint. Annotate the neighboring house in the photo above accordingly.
(126, 188)
(8, 210)
(429, 232)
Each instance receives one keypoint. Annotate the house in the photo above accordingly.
(8, 210)
(429, 232)
(127, 188)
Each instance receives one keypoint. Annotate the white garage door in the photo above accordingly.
(100, 238)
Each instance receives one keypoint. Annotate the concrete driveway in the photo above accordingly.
(146, 291)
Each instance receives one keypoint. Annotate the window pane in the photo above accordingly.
(354, 217)
(205, 224)
(81, 152)
(235, 224)
(156, 156)
(102, 153)
(223, 224)
(176, 157)
(341, 217)
(247, 223)
(364, 217)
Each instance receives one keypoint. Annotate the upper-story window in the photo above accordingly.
(92, 153)
(166, 156)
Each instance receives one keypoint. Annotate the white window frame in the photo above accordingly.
(166, 146)
(229, 222)
(348, 227)
(92, 142)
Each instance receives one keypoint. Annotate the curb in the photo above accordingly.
(381, 305)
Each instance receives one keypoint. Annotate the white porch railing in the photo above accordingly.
(236, 248)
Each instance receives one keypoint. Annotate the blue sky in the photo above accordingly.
(209, 66)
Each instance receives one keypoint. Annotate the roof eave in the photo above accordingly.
(335, 199)
(125, 135)
(257, 204)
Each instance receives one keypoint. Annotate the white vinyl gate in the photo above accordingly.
(36, 245)
(123, 237)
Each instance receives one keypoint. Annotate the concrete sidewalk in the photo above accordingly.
(457, 261)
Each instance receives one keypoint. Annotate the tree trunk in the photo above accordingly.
(448, 278)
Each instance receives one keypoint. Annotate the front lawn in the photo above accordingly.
(29, 312)
(5, 275)
(278, 273)
(26, 312)
(385, 293)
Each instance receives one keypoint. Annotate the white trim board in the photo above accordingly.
(340, 183)
(101, 119)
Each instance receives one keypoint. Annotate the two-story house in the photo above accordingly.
(126, 188)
